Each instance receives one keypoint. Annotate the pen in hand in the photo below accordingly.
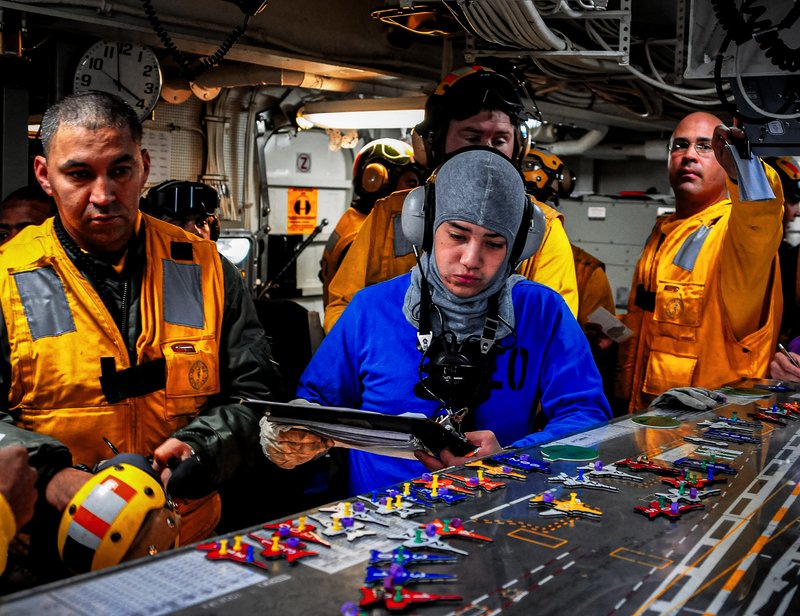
(789, 356)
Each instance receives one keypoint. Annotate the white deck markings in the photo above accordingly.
(710, 551)
(747, 562)
(480, 514)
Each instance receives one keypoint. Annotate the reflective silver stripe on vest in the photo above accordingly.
(183, 294)
(44, 302)
(402, 246)
(690, 248)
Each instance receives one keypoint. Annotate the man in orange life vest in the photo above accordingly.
(705, 301)
(119, 325)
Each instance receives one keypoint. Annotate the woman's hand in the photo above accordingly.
(485, 443)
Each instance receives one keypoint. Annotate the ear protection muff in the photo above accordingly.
(374, 178)
(414, 215)
(419, 213)
(530, 235)
(422, 153)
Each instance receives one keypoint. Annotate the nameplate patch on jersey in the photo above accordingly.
(183, 347)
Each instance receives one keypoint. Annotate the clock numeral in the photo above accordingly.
(86, 80)
(149, 87)
(140, 103)
(108, 51)
(125, 49)
(147, 70)
(96, 64)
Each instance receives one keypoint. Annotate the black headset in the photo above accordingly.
(180, 199)
(419, 214)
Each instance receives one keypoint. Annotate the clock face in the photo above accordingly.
(128, 70)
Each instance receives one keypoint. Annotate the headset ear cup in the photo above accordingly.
(420, 145)
(535, 225)
(430, 214)
(374, 178)
(412, 219)
(523, 142)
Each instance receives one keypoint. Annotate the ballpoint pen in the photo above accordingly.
(789, 356)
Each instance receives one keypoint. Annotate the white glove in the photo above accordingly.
(288, 447)
(689, 398)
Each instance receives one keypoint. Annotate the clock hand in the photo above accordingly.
(119, 83)
(122, 86)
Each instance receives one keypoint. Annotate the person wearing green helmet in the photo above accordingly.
(380, 168)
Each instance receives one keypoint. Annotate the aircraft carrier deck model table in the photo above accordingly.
(665, 512)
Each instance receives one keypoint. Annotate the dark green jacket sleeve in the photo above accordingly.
(47, 455)
(226, 434)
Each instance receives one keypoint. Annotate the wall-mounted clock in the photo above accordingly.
(128, 70)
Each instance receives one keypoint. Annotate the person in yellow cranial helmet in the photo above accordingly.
(548, 179)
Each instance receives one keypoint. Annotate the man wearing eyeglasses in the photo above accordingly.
(705, 301)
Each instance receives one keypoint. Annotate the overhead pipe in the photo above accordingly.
(654, 149)
(243, 75)
(579, 146)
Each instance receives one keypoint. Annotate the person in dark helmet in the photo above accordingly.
(548, 179)
(788, 168)
(380, 168)
(192, 206)
(474, 105)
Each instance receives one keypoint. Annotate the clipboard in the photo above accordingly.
(395, 435)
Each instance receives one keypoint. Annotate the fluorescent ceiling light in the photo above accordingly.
(365, 113)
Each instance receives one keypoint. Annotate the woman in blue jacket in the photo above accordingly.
(459, 331)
